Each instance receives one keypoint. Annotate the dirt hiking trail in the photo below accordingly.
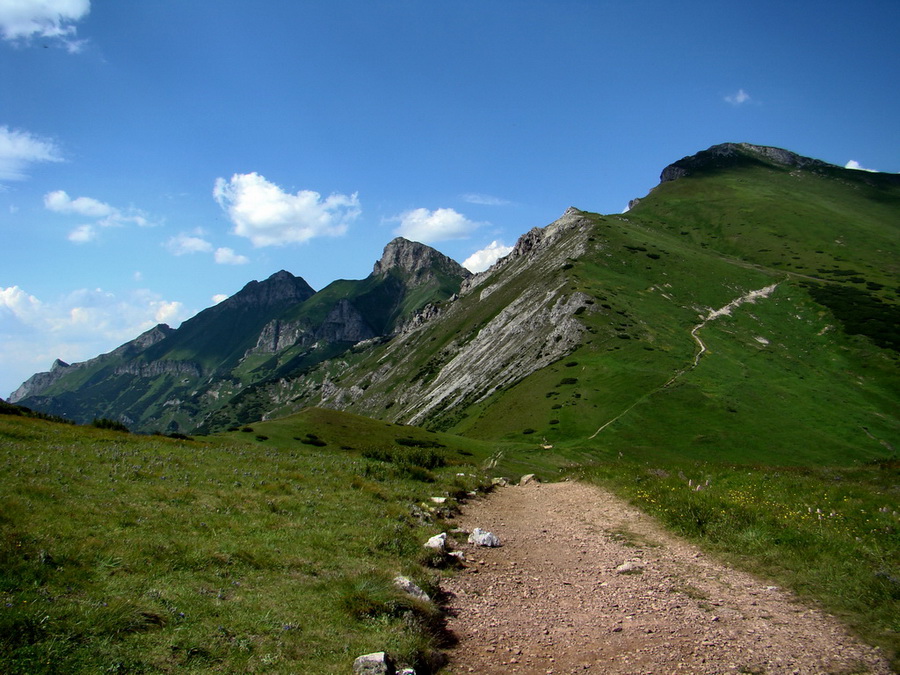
(550, 599)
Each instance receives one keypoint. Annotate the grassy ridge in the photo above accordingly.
(831, 534)
(122, 553)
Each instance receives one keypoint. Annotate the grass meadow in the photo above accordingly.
(143, 554)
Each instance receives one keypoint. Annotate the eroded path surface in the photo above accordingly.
(550, 600)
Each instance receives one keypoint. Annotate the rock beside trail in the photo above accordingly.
(528, 478)
(377, 663)
(409, 587)
(438, 542)
(481, 538)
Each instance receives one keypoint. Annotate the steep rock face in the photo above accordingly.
(532, 332)
(344, 323)
(724, 154)
(157, 368)
(419, 261)
(278, 335)
(39, 382)
(535, 329)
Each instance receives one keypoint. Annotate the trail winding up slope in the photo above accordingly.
(751, 296)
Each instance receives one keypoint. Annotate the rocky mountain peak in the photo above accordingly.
(731, 154)
(416, 260)
(279, 288)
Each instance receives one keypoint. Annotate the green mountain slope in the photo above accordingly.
(590, 324)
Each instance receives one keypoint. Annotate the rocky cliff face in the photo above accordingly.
(157, 368)
(529, 245)
(39, 382)
(344, 323)
(535, 329)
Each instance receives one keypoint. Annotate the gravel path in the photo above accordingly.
(550, 599)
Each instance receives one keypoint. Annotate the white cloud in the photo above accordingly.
(219, 297)
(481, 260)
(60, 202)
(182, 244)
(268, 216)
(738, 98)
(226, 256)
(52, 19)
(83, 234)
(18, 149)
(853, 164)
(75, 327)
(430, 226)
(106, 215)
(484, 200)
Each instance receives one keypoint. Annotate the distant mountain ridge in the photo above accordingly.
(171, 378)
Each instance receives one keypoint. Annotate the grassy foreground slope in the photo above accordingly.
(265, 550)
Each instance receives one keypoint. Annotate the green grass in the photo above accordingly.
(831, 534)
(124, 553)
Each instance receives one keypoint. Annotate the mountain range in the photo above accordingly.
(749, 301)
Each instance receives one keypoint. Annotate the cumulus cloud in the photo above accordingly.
(853, 164)
(268, 216)
(183, 244)
(219, 297)
(105, 215)
(23, 20)
(484, 200)
(430, 226)
(481, 260)
(19, 149)
(226, 256)
(74, 327)
(738, 98)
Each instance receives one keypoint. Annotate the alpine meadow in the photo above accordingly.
(238, 494)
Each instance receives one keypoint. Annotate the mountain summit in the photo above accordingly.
(418, 261)
(727, 155)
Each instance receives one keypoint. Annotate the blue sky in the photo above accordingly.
(155, 156)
